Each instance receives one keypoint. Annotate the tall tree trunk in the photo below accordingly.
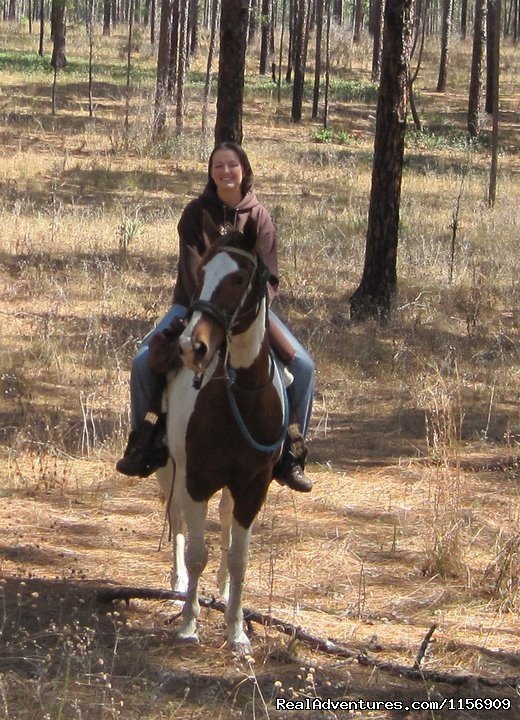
(290, 46)
(375, 295)
(421, 15)
(181, 73)
(299, 60)
(328, 10)
(379, 9)
(153, 11)
(358, 21)
(163, 61)
(496, 107)
(174, 47)
(58, 30)
(264, 36)
(447, 17)
(58, 59)
(232, 62)
(317, 62)
(492, 29)
(477, 65)
(207, 83)
(129, 64)
(42, 28)
(194, 26)
(252, 26)
(464, 18)
(106, 17)
(280, 56)
(90, 23)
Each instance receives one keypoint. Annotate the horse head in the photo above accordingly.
(231, 286)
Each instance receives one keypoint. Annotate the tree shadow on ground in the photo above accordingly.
(56, 631)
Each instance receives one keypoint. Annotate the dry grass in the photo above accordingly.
(414, 516)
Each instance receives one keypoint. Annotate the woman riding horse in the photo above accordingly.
(230, 201)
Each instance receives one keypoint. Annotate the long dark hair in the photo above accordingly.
(247, 171)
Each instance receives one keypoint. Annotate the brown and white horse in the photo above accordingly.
(226, 423)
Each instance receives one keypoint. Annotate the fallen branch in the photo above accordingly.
(109, 594)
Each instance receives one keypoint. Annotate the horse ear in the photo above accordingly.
(209, 229)
(249, 234)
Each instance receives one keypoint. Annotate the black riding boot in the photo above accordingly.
(146, 451)
(290, 469)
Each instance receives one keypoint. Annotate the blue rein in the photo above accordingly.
(230, 382)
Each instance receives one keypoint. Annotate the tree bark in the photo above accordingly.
(232, 63)
(464, 18)
(299, 60)
(495, 107)
(194, 26)
(358, 21)
(42, 28)
(106, 17)
(327, 65)
(181, 73)
(265, 33)
(477, 67)
(379, 10)
(492, 29)
(447, 17)
(129, 65)
(163, 59)
(207, 83)
(376, 293)
(173, 63)
(317, 61)
(58, 30)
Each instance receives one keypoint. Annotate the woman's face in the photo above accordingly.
(226, 171)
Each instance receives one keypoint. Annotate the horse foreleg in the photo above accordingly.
(196, 556)
(237, 564)
(225, 512)
(178, 575)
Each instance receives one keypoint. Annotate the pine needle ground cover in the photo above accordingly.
(414, 519)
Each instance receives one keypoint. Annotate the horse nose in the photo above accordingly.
(200, 349)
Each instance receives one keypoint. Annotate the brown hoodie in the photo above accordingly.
(192, 243)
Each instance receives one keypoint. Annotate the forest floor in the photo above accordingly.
(413, 525)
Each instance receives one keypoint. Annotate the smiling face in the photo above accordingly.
(227, 174)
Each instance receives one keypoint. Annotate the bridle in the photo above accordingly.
(228, 321)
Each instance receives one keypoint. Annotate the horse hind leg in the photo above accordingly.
(225, 512)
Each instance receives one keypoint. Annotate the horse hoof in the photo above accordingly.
(182, 639)
(240, 647)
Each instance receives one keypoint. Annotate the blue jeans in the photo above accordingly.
(144, 384)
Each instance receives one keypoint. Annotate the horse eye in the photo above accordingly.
(239, 279)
